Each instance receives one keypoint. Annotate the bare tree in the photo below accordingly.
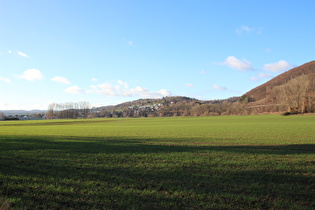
(69, 110)
(295, 94)
(50, 112)
(2, 116)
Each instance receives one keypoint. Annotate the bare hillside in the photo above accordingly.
(292, 90)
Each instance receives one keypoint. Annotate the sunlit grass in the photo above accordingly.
(233, 162)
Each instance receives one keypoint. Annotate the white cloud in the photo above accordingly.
(164, 92)
(235, 63)
(203, 72)
(189, 85)
(145, 93)
(105, 88)
(278, 66)
(217, 87)
(94, 80)
(10, 51)
(22, 54)
(61, 80)
(74, 90)
(122, 89)
(5, 79)
(31, 74)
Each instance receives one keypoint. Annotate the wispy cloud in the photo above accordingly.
(22, 54)
(279, 66)
(255, 79)
(104, 89)
(94, 80)
(244, 29)
(118, 89)
(128, 42)
(5, 80)
(189, 85)
(264, 75)
(124, 84)
(217, 87)
(31, 75)
(235, 63)
(261, 76)
(61, 80)
(74, 90)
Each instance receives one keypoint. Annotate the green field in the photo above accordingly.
(227, 162)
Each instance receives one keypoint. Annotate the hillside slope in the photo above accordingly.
(291, 90)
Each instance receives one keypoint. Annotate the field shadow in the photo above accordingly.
(132, 145)
(54, 123)
(115, 173)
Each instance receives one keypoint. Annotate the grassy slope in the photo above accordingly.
(211, 162)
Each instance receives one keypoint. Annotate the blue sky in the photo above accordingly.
(108, 52)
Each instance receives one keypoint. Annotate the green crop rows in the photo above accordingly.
(232, 162)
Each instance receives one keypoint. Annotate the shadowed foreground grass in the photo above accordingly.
(104, 172)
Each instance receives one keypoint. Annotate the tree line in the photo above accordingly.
(69, 110)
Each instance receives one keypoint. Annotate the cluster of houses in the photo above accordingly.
(138, 108)
(128, 111)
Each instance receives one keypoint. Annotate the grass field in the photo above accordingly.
(230, 162)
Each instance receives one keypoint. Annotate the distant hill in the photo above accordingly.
(147, 102)
(166, 107)
(164, 101)
(21, 112)
(291, 90)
